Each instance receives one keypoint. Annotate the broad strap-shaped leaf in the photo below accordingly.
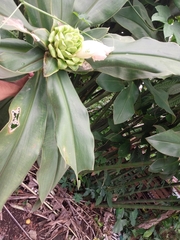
(135, 18)
(95, 12)
(160, 97)
(21, 139)
(167, 142)
(14, 64)
(61, 9)
(52, 166)
(141, 59)
(38, 19)
(124, 104)
(14, 45)
(74, 138)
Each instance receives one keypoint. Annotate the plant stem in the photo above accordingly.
(139, 206)
(149, 189)
(149, 200)
(96, 99)
(120, 166)
(138, 180)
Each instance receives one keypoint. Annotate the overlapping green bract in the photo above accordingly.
(65, 41)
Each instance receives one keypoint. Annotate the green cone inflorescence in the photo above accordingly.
(64, 42)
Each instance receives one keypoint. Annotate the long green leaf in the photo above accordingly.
(74, 138)
(15, 64)
(124, 104)
(136, 20)
(48, 173)
(61, 9)
(166, 142)
(96, 12)
(144, 58)
(21, 139)
(160, 97)
(13, 45)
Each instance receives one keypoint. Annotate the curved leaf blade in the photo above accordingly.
(160, 97)
(96, 12)
(109, 83)
(21, 139)
(167, 143)
(14, 64)
(136, 20)
(74, 138)
(124, 104)
(63, 10)
(141, 59)
(49, 173)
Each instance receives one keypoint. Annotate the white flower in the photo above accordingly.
(94, 49)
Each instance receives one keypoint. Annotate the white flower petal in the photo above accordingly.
(95, 50)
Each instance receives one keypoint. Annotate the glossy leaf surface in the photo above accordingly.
(144, 58)
(48, 173)
(71, 123)
(96, 12)
(15, 64)
(167, 143)
(18, 150)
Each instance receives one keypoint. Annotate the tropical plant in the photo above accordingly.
(47, 120)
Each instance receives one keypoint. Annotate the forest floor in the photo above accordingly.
(59, 218)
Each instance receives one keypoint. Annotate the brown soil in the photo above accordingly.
(59, 218)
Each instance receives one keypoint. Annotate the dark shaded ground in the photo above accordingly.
(59, 218)
(9, 229)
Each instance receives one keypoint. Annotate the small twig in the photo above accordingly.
(14, 219)
(45, 203)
